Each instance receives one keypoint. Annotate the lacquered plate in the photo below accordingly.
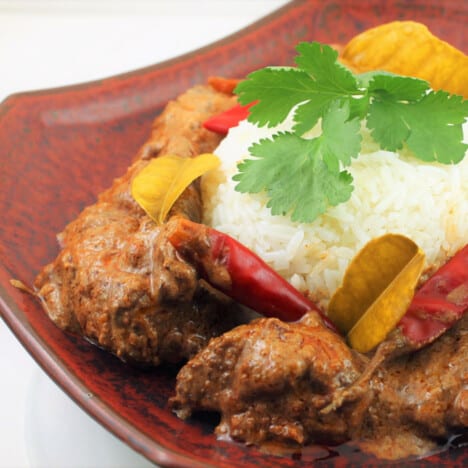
(59, 148)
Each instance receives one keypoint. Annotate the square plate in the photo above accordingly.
(61, 147)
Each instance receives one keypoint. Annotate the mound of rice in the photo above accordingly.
(393, 193)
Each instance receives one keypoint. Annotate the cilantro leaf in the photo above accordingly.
(388, 124)
(303, 176)
(320, 62)
(308, 114)
(277, 91)
(340, 140)
(295, 177)
(318, 81)
(436, 128)
(431, 126)
(390, 94)
(399, 88)
(331, 82)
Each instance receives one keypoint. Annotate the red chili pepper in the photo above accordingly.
(439, 303)
(235, 270)
(221, 123)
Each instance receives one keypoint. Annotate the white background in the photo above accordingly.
(53, 43)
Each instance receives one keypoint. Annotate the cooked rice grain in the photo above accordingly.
(394, 193)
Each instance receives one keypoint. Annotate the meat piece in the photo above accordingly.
(270, 379)
(419, 398)
(117, 280)
(278, 382)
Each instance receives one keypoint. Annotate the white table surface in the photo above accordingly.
(53, 43)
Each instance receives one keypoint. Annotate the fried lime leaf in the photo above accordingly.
(431, 126)
(303, 177)
(377, 289)
(159, 184)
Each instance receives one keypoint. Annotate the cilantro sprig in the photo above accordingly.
(304, 176)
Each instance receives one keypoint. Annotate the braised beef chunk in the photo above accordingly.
(273, 381)
(117, 280)
(270, 380)
(419, 397)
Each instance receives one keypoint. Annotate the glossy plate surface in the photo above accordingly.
(60, 148)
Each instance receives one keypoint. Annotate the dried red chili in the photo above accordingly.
(439, 303)
(235, 270)
(221, 123)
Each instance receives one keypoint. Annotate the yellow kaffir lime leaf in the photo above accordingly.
(159, 184)
(377, 289)
(408, 48)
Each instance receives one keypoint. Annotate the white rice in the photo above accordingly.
(393, 193)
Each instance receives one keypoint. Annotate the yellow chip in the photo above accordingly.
(408, 48)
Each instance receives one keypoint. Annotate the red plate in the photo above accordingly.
(60, 148)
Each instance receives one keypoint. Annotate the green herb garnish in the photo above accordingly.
(304, 176)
